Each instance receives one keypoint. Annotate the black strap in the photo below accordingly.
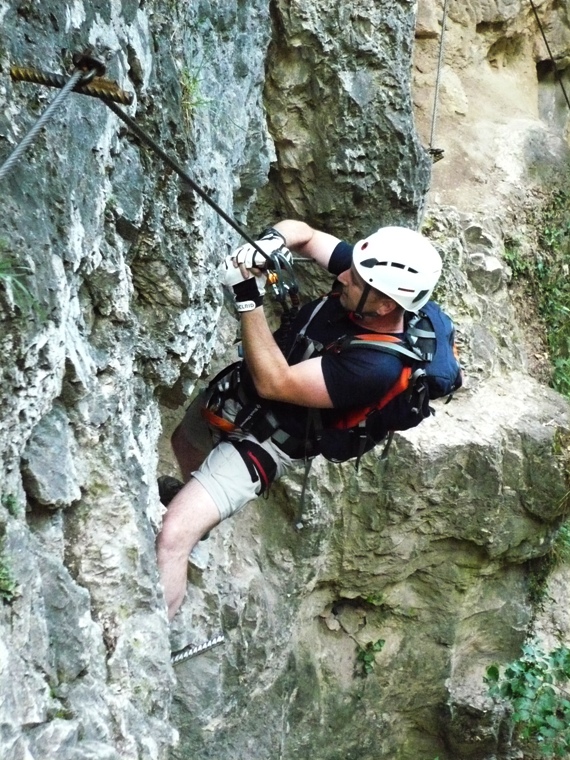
(363, 439)
(259, 462)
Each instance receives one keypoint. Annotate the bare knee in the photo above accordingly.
(190, 515)
(172, 539)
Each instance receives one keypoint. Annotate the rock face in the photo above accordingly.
(110, 315)
(338, 99)
(500, 117)
(427, 552)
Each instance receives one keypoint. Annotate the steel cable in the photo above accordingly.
(169, 161)
(557, 74)
(438, 78)
(40, 123)
(109, 96)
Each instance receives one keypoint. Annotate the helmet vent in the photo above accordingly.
(420, 295)
(369, 263)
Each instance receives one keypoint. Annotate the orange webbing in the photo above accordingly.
(386, 338)
(216, 421)
(353, 418)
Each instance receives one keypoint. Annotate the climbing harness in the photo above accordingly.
(554, 66)
(430, 370)
(437, 153)
(193, 649)
(88, 79)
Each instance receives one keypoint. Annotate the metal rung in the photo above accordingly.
(194, 649)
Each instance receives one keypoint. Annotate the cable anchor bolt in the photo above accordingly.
(92, 83)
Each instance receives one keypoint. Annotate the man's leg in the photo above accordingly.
(223, 482)
(190, 514)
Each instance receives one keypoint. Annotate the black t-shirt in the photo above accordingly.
(354, 377)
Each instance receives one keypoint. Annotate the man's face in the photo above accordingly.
(352, 287)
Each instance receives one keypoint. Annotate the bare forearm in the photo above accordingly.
(306, 241)
(274, 379)
(297, 234)
(302, 384)
(265, 362)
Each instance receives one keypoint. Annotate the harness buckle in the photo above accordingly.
(253, 418)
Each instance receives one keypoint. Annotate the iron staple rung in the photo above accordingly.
(99, 87)
(192, 651)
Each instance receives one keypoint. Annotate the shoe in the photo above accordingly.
(168, 487)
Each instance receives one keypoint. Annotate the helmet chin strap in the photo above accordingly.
(358, 312)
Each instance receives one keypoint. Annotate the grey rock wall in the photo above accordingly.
(339, 110)
(428, 552)
(120, 263)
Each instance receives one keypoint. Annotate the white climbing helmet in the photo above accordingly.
(400, 263)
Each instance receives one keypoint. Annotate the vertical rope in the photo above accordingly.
(41, 122)
(438, 77)
(556, 72)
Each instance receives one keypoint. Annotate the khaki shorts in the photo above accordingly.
(224, 473)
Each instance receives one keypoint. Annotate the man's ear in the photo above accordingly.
(385, 306)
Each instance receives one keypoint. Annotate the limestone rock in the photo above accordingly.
(285, 108)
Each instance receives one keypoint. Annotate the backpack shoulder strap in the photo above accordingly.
(312, 346)
(389, 344)
(353, 417)
(318, 306)
(420, 335)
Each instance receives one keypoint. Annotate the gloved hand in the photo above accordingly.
(271, 240)
(248, 290)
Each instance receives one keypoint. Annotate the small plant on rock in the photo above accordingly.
(12, 280)
(366, 656)
(192, 98)
(10, 503)
(8, 586)
(536, 687)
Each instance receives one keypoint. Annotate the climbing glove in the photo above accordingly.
(271, 241)
(248, 290)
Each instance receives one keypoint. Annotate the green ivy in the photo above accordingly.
(366, 656)
(536, 689)
(561, 546)
(547, 276)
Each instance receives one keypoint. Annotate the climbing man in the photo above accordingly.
(265, 414)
